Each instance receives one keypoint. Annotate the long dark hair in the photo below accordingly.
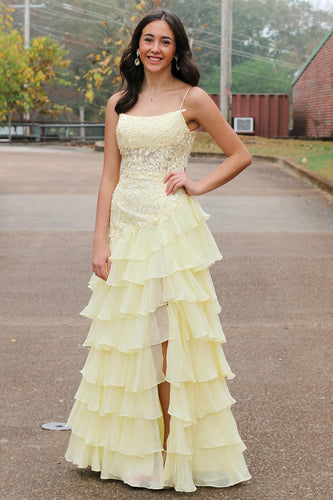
(132, 76)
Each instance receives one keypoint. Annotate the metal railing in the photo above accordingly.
(42, 132)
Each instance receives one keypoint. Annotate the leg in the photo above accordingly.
(164, 395)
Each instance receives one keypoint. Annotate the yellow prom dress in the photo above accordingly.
(159, 288)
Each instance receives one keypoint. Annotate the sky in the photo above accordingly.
(322, 4)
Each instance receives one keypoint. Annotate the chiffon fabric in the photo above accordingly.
(159, 288)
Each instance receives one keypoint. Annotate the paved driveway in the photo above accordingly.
(275, 286)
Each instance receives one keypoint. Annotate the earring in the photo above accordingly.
(137, 60)
(177, 63)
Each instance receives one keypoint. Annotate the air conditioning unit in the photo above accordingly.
(243, 124)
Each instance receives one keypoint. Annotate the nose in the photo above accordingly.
(155, 47)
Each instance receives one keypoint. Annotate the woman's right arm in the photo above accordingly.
(110, 177)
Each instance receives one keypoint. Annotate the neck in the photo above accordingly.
(154, 83)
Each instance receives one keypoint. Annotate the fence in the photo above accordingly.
(270, 114)
(42, 132)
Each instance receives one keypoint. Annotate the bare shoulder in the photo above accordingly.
(114, 99)
(201, 106)
(198, 97)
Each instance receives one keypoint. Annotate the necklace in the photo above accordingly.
(151, 98)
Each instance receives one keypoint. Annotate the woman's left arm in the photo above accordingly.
(202, 111)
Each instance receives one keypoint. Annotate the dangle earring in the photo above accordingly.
(137, 60)
(177, 63)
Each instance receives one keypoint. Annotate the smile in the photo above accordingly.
(154, 59)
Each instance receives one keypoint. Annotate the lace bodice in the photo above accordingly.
(150, 147)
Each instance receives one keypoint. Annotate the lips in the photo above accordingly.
(154, 59)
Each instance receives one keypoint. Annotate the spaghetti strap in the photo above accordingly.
(187, 91)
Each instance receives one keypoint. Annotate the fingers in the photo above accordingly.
(102, 273)
(172, 176)
(98, 270)
(175, 180)
(102, 270)
(168, 175)
(175, 186)
(101, 263)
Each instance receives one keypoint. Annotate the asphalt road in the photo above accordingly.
(275, 287)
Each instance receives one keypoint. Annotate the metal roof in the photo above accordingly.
(314, 53)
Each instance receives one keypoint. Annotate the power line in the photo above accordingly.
(250, 42)
(259, 75)
(102, 4)
(210, 45)
(86, 12)
(265, 58)
(198, 42)
(201, 43)
(44, 31)
(60, 16)
(46, 28)
(102, 17)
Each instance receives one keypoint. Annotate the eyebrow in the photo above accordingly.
(163, 36)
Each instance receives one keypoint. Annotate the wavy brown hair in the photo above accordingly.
(132, 76)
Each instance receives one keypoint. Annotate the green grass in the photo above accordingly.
(313, 155)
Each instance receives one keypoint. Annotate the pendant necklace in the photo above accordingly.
(152, 98)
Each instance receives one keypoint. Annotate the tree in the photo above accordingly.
(261, 77)
(25, 74)
(252, 77)
(46, 62)
(272, 39)
(281, 32)
(14, 74)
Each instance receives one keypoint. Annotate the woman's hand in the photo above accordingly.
(101, 263)
(176, 180)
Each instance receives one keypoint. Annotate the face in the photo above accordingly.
(157, 46)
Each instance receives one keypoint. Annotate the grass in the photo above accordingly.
(313, 155)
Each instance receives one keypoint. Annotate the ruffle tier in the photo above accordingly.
(159, 288)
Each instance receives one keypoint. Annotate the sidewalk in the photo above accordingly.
(274, 284)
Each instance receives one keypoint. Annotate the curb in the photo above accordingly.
(316, 179)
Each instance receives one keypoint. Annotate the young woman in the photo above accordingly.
(153, 407)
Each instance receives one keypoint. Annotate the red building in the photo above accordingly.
(313, 93)
(266, 115)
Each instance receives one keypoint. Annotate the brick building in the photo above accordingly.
(313, 93)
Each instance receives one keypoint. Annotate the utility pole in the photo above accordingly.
(26, 6)
(26, 24)
(226, 46)
(191, 31)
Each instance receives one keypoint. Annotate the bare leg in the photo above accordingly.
(164, 395)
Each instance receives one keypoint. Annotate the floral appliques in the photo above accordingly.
(150, 148)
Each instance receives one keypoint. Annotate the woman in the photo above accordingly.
(153, 408)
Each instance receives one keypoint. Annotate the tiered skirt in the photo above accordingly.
(159, 288)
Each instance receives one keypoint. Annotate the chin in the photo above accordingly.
(155, 69)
